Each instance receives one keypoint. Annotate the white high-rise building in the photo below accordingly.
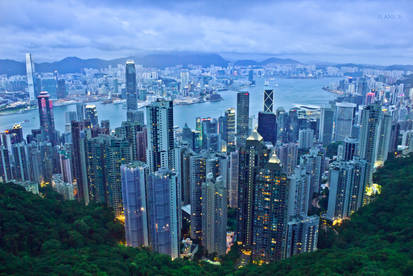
(159, 120)
(30, 76)
(344, 117)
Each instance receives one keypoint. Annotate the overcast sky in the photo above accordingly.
(360, 31)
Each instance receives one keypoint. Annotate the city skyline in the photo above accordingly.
(368, 32)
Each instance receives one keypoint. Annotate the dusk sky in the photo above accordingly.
(375, 32)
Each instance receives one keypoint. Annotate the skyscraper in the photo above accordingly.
(164, 212)
(214, 215)
(326, 126)
(230, 128)
(80, 110)
(344, 117)
(288, 154)
(91, 115)
(233, 179)
(118, 153)
(269, 212)
(371, 116)
(302, 235)
(305, 138)
(46, 117)
(197, 178)
(384, 139)
(30, 76)
(134, 179)
(282, 125)
(267, 126)
(131, 97)
(347, 181)
(80, 133)
(160, 153)
(243, 105)
(129, 131)
(252, 157)
(269, 100)
(350, 148)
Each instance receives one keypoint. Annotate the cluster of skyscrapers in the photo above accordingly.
(156, 177)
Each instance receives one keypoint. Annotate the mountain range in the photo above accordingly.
(159, 60)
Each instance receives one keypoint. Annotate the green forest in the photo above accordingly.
(45, 235)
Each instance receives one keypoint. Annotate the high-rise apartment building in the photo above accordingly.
(134, 179)
(164, 212)
(371, 117)
(214, 214)
(344, 120)
(160, 152)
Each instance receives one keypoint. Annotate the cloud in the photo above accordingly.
(341, 31)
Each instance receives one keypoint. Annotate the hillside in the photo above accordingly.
(49, 236)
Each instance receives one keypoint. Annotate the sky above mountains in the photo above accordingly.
(359, 31)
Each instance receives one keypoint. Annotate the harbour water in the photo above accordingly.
(288, 93)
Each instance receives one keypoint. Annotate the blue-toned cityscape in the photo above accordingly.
(204, 157)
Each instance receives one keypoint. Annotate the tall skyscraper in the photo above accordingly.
(267, 126)
(197, 178)
(326, 126)
(344, 118)
(91, 115)
(131, 97)
(233, 179)
(384, 139)
(134, 179)
(269, 100)
(313, 165)
(282, 125)
(80, 133)
(141, 144)
(80, 110)
(214, 215)
(118, 153)
(269, 212)
(164, 212)
(30, 77)
(46, 118)
(160, 153)
(371, 116)
(230, 129)
(97, 152)
(243, 105)
(252, 157)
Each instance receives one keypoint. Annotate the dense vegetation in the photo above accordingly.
(40, 236)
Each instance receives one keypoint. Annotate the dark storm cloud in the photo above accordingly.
(342, 31)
